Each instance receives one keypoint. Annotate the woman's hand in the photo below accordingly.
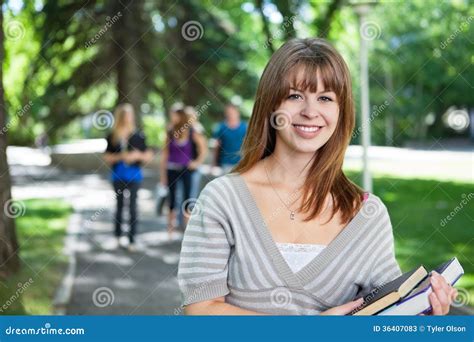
(344, 309)
(132, 157)
(442, 296)
(193, 165)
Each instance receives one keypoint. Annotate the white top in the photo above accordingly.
(298, 255)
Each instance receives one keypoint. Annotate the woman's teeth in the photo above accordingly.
(308, 128)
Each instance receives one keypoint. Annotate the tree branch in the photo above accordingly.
(266, 27)
(323, 24)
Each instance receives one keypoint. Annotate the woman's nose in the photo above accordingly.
(310, 110)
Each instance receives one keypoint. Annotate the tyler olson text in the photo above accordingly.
(449, 328)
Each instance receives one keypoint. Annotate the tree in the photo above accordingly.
(9, 260)
(420, 67)
(96, 54)
(83, 56)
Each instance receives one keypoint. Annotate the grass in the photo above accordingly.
(417, 208)
(41, 232)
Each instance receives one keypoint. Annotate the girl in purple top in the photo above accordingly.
(185, 149)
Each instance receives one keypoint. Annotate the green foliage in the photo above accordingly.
(417, 70)
(155, 131)
(70, 60)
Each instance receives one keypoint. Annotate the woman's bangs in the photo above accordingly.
(304, 76)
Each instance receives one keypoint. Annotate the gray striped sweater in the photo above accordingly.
(228, 251)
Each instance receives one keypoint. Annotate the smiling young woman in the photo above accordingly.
(287, 232)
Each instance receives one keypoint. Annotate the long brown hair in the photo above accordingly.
(325, 174)
(182, 126)
(120, 129)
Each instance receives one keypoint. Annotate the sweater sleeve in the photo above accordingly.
(203, 265)
(385, 266)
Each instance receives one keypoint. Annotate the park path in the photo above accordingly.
(114, 280)
(108, 281)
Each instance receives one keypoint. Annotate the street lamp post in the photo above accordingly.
(362, 10)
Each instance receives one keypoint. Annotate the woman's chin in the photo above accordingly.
(303, 146)
(305, 149)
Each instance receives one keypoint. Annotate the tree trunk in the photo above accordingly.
(9, 260)
(126, 34)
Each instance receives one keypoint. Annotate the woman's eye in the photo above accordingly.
(294, 96)
(325, 99)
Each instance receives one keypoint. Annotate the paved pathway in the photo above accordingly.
(106, 280)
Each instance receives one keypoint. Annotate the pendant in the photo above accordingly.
(292, 215)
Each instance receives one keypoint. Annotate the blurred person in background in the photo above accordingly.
(126, 152)
(229, 135)
(198, 128)
(179, 162)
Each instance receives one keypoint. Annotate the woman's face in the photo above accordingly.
(306, 120)
(174, 118)
(129, 118)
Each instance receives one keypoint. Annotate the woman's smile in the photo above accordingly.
(307, 131)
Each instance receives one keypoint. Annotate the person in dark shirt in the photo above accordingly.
(126, 152)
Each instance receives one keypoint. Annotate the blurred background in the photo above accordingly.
(67, 64)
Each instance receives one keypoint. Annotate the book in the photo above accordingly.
(417, 301)
(391, 292)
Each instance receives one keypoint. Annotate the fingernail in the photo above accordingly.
(434, 281)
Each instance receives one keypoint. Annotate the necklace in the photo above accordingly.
(292, 212)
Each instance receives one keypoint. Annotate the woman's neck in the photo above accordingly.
(233, 123)
(287, 167)
(125, 130)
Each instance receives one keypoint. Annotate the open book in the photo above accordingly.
(417, 301)
(407, 294)
(388, 294)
